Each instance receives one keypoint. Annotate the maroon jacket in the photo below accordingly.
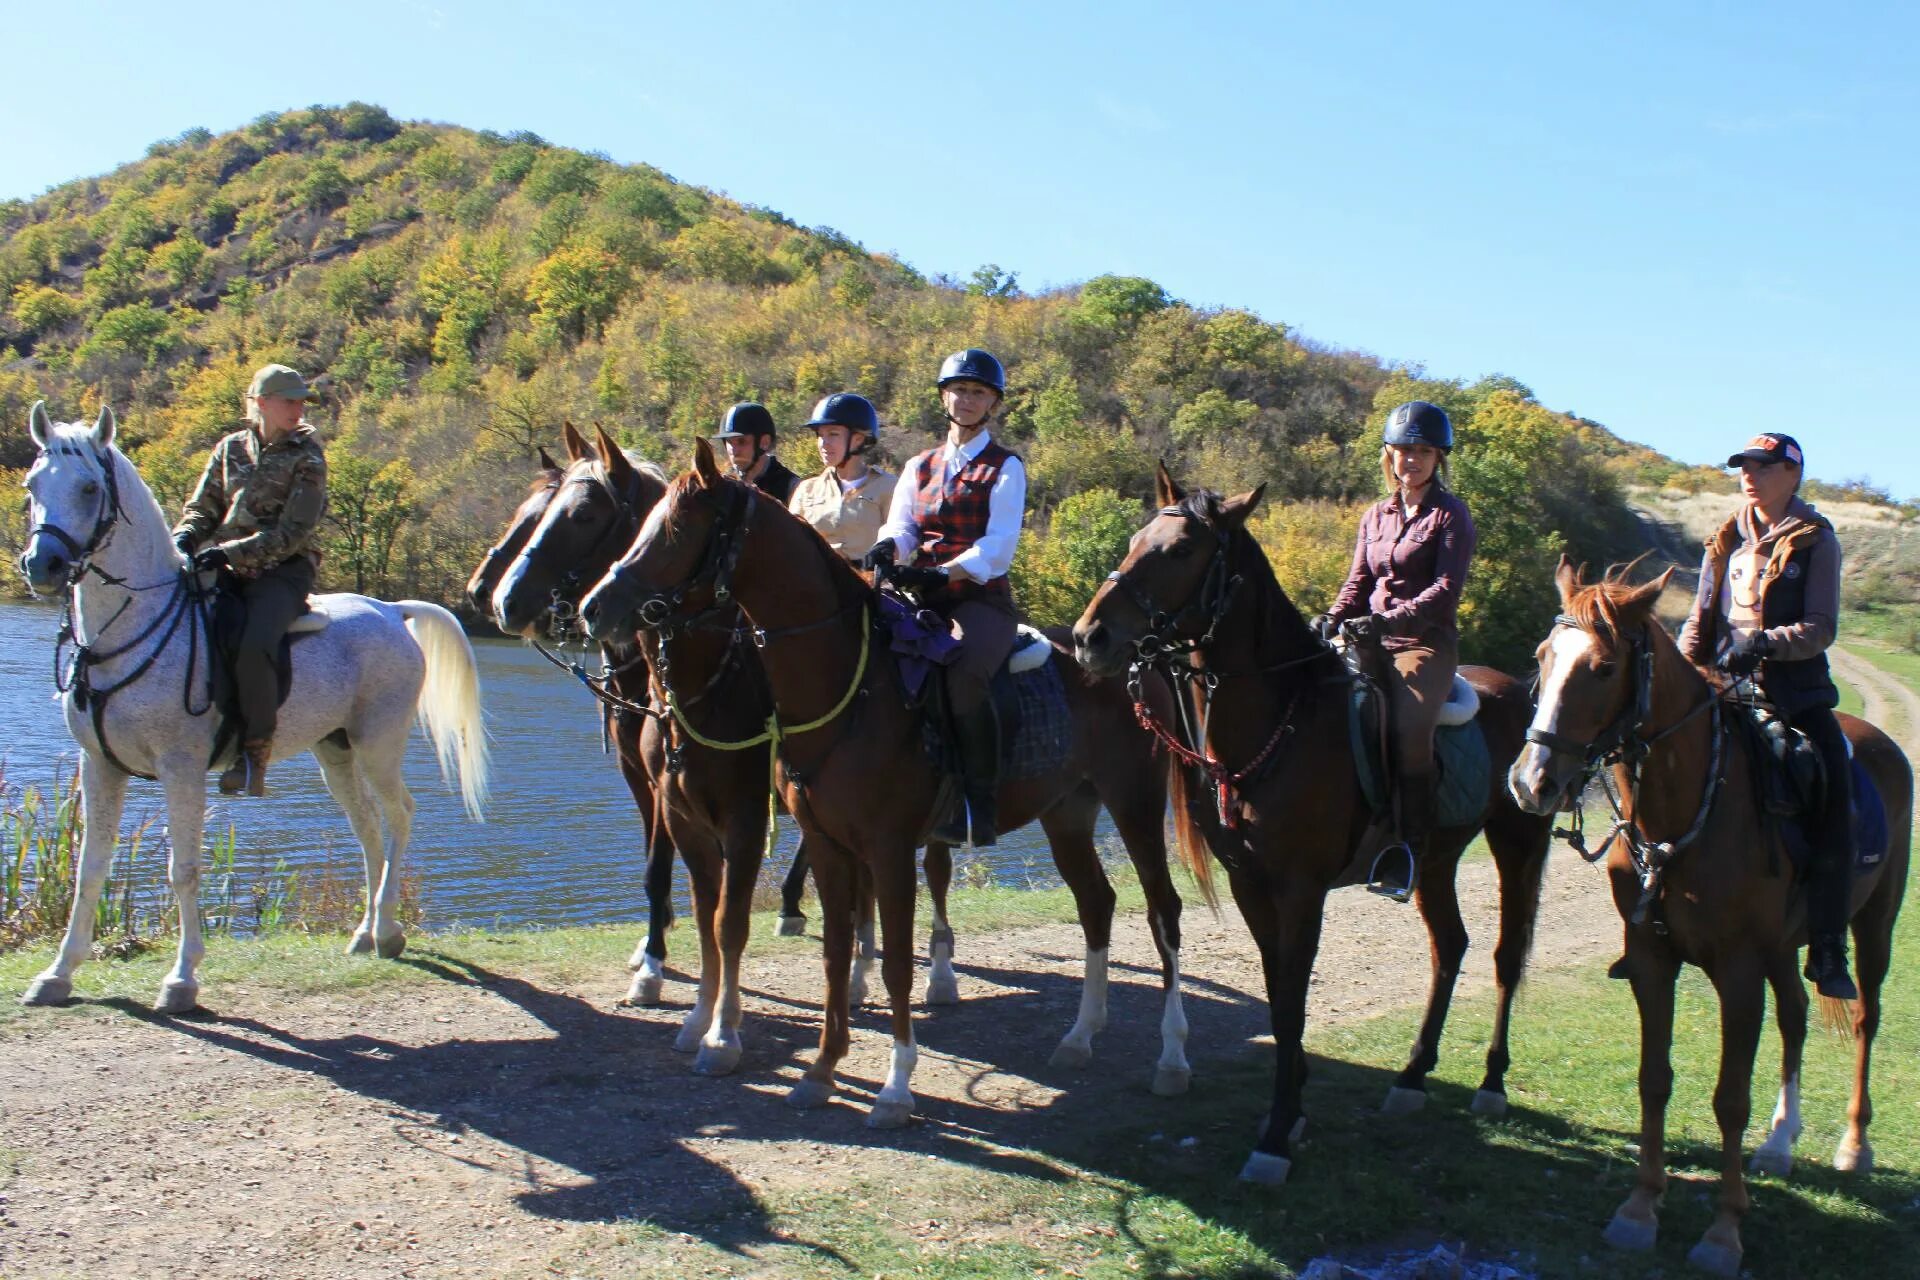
(1410, 572)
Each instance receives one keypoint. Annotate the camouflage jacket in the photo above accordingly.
(260, 503)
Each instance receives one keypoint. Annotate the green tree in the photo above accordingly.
(559, 172)
(990, 281)
(38, 309)
(1056, 572)
(137, 332)
(717, 250)
(326, 185)
(577, 290)
(1115, 304)
(369, 503)
(181, 261)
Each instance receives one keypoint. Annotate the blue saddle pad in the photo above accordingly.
(1870, 834)
(1462, 763)
(1042, 734)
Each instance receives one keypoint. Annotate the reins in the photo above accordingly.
(1624, 744)
(1155, 650)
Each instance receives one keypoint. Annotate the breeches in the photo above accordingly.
(1418, 679)
(274, 600)
(985, 630)
(1830, 829)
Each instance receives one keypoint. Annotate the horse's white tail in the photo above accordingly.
(450, 700)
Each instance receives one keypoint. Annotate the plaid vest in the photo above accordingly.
(952, 516)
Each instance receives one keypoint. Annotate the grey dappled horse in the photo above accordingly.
(96, 531)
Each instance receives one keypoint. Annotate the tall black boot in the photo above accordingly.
(976, 816)
(1396, 871)
(1828, 893)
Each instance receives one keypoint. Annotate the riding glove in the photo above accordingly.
(1324, 627)
(1744, 655)
(917, 580)
(212, 558)
(184, 541)
(881, 553)
(1362, 630)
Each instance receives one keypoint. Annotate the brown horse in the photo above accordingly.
(1287, 816)
(1700, 876)
(649, 958)
(851, 766)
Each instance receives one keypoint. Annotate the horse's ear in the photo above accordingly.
(546, 460)
(703, 464)
(104, 427)
(1165, 492)
(1566, 577)
(1643, 596)
(577, 446)
(39, 425)
(1234, 511)
(619, 470)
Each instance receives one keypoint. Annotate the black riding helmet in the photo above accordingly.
(1418, 422)
(847, 409)
(973, 365)
(747, 420)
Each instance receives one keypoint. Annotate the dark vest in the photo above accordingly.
(1792, 687)
(777, 481)
(953, 516)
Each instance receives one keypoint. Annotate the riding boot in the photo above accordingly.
(248, 772)
(1828, 894)
(1396, 871)
(975, 816)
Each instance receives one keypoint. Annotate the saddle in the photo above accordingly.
(1462, 763)
(1793, 783)
(228, 624)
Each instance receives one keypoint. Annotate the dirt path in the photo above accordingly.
(485, 1125)
(1889, 703)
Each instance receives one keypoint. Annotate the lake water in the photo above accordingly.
(562, 841)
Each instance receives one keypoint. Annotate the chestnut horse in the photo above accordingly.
(1700, 875)
(851, 765)
(1290, 816)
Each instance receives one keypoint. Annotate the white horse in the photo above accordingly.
(137, 703)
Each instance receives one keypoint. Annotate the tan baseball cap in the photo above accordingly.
(282, 382)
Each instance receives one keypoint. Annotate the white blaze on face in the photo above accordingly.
(1564, 650)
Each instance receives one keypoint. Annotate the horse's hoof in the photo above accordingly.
(1403, 1102)
(644, 989)
(1771, 1161)
(390, 948)
(177, 997)
(47, 991)
(1488, 1103)
(1171, 1082)
(1853, 1159)
(808, 1094)
(792, 927)
(716, 1059)
(1631, 1235)
(360, 944)
(1715, 1259)
(690, 1039)
(889, 1115)
(1265, 1170)
(1071, 1057)
(856, 996)
(943, 991)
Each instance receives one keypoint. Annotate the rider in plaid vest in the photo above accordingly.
(955, 522)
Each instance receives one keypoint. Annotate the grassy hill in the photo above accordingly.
(468, 291)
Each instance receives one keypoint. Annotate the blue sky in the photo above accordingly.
(1691, 222)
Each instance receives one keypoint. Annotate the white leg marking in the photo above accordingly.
(943, 985)
(1172, 1075)
(694, 1029)
(1775, 1155)
(895, 1103)
(648, 978)
(1076, 1049)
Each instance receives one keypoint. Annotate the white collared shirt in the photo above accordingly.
(992, 556)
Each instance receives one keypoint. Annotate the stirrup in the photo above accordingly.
(1401, 893)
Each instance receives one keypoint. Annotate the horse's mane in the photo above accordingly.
(1595, 607)
(1277, 615)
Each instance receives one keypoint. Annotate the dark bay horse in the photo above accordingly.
(648, 962)
(851, 766)
(1701, 875)
(1289, 819)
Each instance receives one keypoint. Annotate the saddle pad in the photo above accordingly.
(1042, 735)
(314, 619)
(1031, 648)
(1870, 834)
(1462, 763)
(1462, 703)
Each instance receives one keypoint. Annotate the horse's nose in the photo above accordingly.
(1091, 640)
(590, 614)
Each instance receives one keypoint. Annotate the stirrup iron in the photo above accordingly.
(1401, 893)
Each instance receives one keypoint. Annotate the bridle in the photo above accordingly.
(1625, 743)
(719, 558)
(1158, 646)
(564, 596)
(1210, 599)
(104, 524)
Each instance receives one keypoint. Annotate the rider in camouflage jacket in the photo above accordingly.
(255, 514)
